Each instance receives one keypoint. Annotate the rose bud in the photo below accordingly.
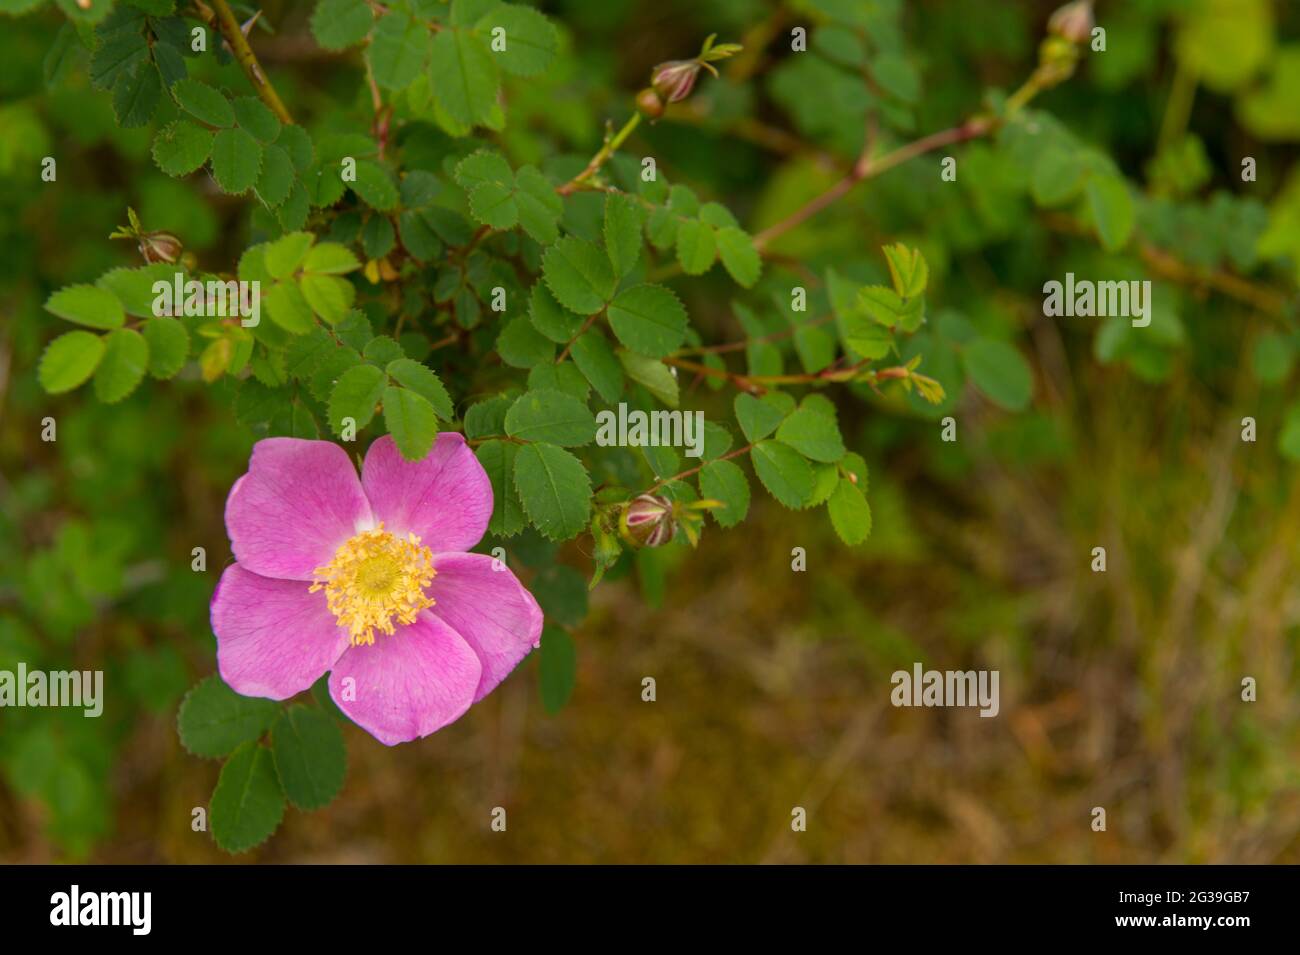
(649, 103)
(675, 79)
(647, 521)
(1073, 22)
(160, 247)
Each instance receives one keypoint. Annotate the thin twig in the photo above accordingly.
(608, 149)
(221, 18)
(687, 473)
(866, 168)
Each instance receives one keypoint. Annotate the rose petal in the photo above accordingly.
(274, 638)
(445, 499)
(298, 502)
(409, 684)
(490, 609)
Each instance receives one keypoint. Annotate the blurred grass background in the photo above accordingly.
(1119, 690)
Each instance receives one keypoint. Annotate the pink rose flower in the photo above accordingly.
(368, 580)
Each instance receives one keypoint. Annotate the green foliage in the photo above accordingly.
(214, 719)
(554, 489)
(558, 668)
(248, 803)
(310, 758)
(475, 243)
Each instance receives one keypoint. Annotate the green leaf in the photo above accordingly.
(498, 460)
(813, 432)
(411, 421)
(551, 416)
(550, 317)
(624, 218)
(562, 377)
(330, 258)
(784, 472)
(169, 346)
(381, 350)
(592, 353)
(649, 319)
(717, 215)
(170, 63)
(724, 481)
(1224, 42)
(896, 76)
(329, 296)
(520, 345)
(120, 371)
(554, 489)
(355, 395)
(539, 205)
(1112, 210)
(488, 417)
(339, 24)
(276, 180)
(530, 39)
(87, 305)
(999, 371)
(493, 204)
(69, 360)
(558, 668)
(419, 188)
(418, 236)
(136, 96)
(757, 418)
(203, 102)
(421, 379)
(651, 373)
(739, 257)
(310, 757)
(907, 269)
(717, 441)
(247, 804)
(888, 308)
(134, 287)
(117, 56)
(578, 275)
(850, 513)
(236, 160)
(696, 246)
(214, 719)
(484, 166)
(399, 49)
(283, 256)
(256, 117)
(292, 213)
(332, 364)
(181, 147)
(295, 141)
(815, 347)
(463, 76)
(1058, 176)
(561, 592)
(288, 308)
(374, 185)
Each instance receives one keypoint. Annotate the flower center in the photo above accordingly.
(375, 579)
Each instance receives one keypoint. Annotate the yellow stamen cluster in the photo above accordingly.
(376, 579)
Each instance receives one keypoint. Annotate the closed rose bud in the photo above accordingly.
(647, 521)
(649, 103)
(675, 79)
(1073, 21)
(1057, 58)
(160, 247)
